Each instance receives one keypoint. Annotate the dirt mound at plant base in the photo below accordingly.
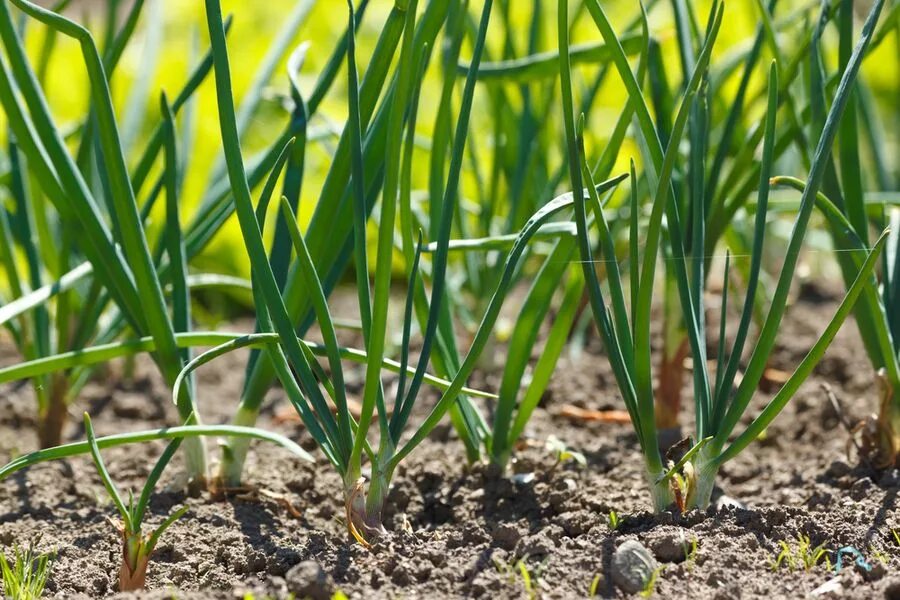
(462, 532)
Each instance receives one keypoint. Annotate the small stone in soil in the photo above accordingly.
(860, 489)
(523, 479)
(632, 567)
(506, 535)
(725, 501)
(837, 469)
(832, 586)
(892, 589)
(670, 546)
(308, 580)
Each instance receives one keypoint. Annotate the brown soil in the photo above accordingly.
(456, 531)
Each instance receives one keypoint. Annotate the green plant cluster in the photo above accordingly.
(522, 200)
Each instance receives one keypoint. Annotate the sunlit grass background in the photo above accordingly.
(167, 52)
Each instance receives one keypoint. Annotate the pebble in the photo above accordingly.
(837, 469)
(670, 546)
(892, 589)
(506, 535)
(523, 479)
(725, 501)
(861, 489)
(308, 580)
(832, 586)
(632, 567)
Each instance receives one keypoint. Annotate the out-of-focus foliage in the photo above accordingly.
(183, 37)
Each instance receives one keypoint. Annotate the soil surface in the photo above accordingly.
(458, 531)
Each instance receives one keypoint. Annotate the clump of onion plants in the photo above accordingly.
(100, 279)
(342, 438)
(690, 478)
(851, 218)
(118, 257)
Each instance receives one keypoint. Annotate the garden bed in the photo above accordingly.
(458, 530)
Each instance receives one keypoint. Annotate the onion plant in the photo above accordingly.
(41, 170)
(723, 133)
(529, 178)
(689, 479)
(136, 547)
(843, 203)
(96, 217)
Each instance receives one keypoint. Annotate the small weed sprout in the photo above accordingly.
(25, 575)
(786, 557)
(613, 520)
(595, 586)
(519, 569)
(879, 554)
(650, 586)
(810, 556)
(527, 583)
(690, 552)
(562, 454)
(806, 555)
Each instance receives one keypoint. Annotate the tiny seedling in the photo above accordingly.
(810, 555)
(805, 555)
(879, 554)
(784, 557)
(595, 586)
(136, 547)
(527, 583)
(612, 520)
(562, 454)
(25, 575)
(690, 552)
(519, 570)
(650, 586)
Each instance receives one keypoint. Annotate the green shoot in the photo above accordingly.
(562, 454)
(136, 547)
(805, 556)
(650, 586)
(25, 574)
(784, 557)
(612, 520)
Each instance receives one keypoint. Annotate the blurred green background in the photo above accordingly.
(172, 35)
